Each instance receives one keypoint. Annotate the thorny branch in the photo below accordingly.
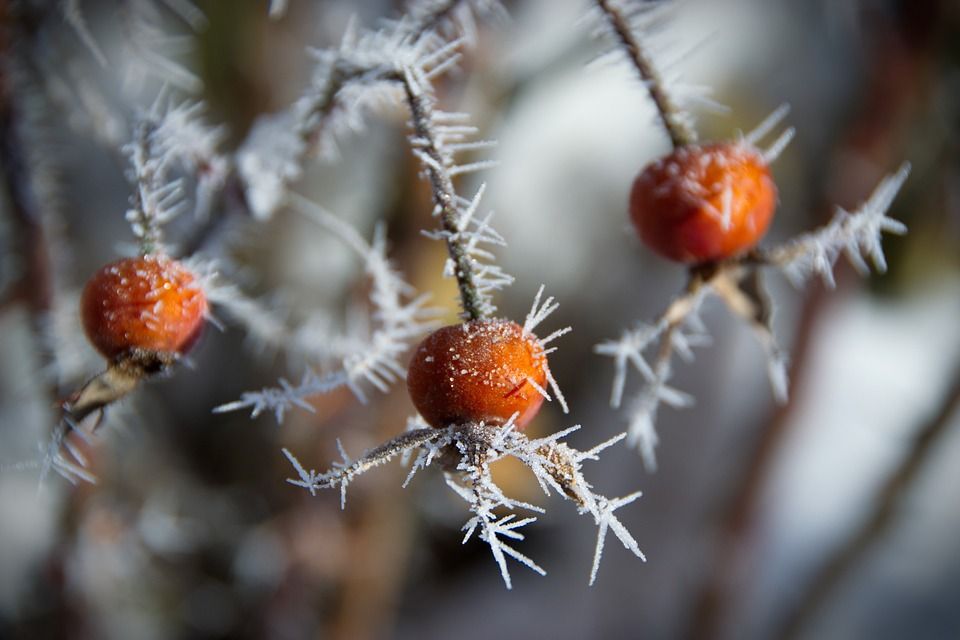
(444, 197)
(365, 68)
(272, 156)
(675, 121)
(374, 356)
(466, 452)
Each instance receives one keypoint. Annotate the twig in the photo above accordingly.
(36, 284)
(681, 133)
(444, 198)
(466, 451)
(882, 516)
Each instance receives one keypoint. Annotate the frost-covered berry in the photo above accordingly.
(145, 306)
(703, 203)
(482, 370)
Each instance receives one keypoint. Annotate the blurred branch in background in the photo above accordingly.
(882, 516)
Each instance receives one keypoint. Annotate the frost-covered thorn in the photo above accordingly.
(767, 125)
(857, 234)
(606, 520)
(774, 150)
(476, 279)
(538, 313)
(308, 479)
(593, 454)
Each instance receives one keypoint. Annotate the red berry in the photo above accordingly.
(149, 305)
(704, 203)
(482, 370)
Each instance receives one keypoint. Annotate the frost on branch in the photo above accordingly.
(349, 80)
(437, 138)
(374, 356)
(166, 139)
(634, 28)
(678, 330)
(466, 450)
(465, 453)
(857, 235)
(370, 68)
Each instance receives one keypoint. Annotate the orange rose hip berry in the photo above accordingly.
(481, 370)
(704, 202)
(149, 308)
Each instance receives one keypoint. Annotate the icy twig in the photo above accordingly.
(434, 133)
(466, 453)
(398, 317)
(165, 138)
(344, 472)
(348, 79)
(367, 68)
(858, 235)
(627, 29)
(669, 335)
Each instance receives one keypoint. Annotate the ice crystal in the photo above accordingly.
(858, 235)
(348, 80)
(398, 317)
(167, 138)
(467, 452)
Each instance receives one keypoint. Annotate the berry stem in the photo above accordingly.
(444, 198)
(681, 134)
(102, 390)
